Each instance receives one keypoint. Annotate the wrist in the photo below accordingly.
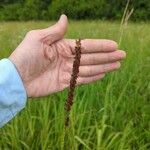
(19, 67)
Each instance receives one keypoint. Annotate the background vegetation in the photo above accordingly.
(112, 114)
(75, 9)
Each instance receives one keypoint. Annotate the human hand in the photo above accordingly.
(44, 59)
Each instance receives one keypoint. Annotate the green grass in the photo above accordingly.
(112, 114)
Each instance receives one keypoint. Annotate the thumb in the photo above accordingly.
(55, 32)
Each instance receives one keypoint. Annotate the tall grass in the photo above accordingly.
(112, 114)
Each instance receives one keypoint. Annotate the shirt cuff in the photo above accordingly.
(13, 95)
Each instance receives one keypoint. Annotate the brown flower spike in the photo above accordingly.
(74, 76)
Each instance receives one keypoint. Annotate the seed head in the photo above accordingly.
(73, 81)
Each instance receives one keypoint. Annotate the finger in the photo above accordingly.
(93, 45)
(55, 32)
(85, 80)
(100, 58)
(87, 71)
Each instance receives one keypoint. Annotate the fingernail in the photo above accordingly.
(118, 65)
(122, 54)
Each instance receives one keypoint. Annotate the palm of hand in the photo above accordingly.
(53, 69)
(44, 69)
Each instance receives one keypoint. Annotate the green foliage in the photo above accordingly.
(83, 9)
(75, 9)
(24, 10)
(142, 9)
(10, 12)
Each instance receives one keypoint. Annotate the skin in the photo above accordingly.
(44, 59)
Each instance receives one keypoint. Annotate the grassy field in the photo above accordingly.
(112, 114)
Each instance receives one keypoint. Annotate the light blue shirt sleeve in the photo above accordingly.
(12, 92)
